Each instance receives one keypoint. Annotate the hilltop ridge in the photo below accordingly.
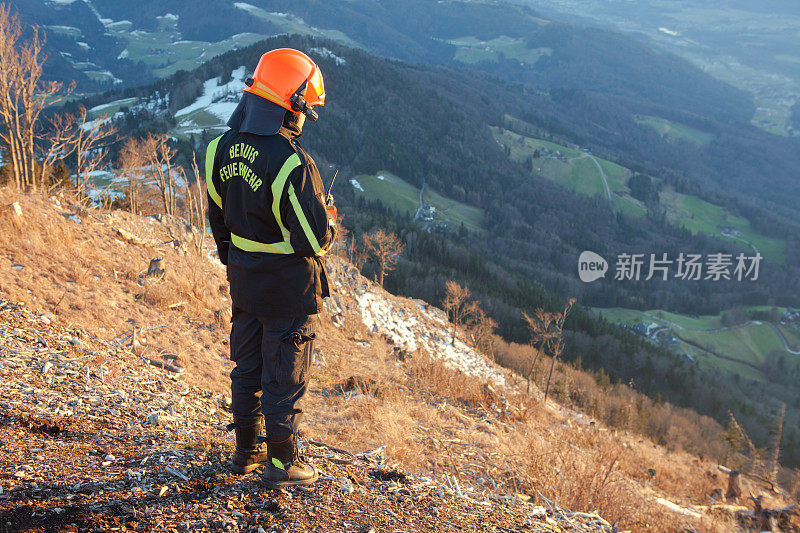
(112, 422)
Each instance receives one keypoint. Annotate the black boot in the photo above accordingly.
(250, 453)
(285, 467)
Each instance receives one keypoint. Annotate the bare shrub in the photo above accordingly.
(385, 249)
(481, 328)
(456, 305)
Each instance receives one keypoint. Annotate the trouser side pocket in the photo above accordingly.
(296, 350)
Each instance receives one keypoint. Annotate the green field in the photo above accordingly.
(112, 107)
(676, 130)
(166, 51)
(700, 216)
(400, 195)
(472, 50)
(291, 24)
(578, 172)
(751, 344)
(792, 335)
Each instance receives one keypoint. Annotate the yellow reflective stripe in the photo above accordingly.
(284, 247)
(265, 92)
(211, 152)
(277, 190)
(247, 245)
(301, 216)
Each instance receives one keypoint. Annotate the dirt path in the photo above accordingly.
(602, 175)
(727, 328)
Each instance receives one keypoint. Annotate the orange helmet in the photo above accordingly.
(290, 79)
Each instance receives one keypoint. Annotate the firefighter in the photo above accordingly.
(272, 225)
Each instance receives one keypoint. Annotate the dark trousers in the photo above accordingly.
(273, 358)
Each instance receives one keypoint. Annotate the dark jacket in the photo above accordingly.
(241, 172)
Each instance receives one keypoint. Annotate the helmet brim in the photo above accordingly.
(256, 115)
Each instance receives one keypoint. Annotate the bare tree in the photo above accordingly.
(385, 249)
(547, 331)
(58, 145)
(150, 159)
(357, 255)
(23, 97)
(456, 305)
(195, 197)
(481, 330)
(533, 326)
(776, 447)
(91, 140)
(743, 440)
(131, 162)
(160, 155)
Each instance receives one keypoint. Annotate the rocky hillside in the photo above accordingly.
(96, 439)
(115, 402)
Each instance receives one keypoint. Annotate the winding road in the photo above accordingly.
(602, 175)
(736, 326)
(726, 236)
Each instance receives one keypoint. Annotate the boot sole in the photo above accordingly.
(283, 484)
(238, 469)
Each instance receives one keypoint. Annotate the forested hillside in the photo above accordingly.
(596, 81)
(431, 124)
(419, 31)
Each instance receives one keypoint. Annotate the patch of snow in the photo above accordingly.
(677, 508)
(381, 177)
(356, 185)
(89, 126)
(105, 74)
(83, 45)
(62, 2)
(668, 31)
(194, 131)
(104, 21)
(112, 25)
(124, 54)
(250, 8)
(65, 29)
(426, 327)
(218, 99)
(124, 101)
(169, 16)
(324, 52)
(222, 110)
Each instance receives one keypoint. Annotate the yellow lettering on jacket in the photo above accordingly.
(243, 150)
(240, 169)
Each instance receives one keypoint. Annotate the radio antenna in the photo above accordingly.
(328, 197)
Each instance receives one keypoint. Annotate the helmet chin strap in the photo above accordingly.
(300, 105)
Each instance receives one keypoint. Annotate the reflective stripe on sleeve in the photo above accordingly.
(247, 245)
(211, 152)
(301, 216)
(277, 190)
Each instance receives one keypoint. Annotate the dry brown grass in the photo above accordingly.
(432, 419)
(89, 277)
